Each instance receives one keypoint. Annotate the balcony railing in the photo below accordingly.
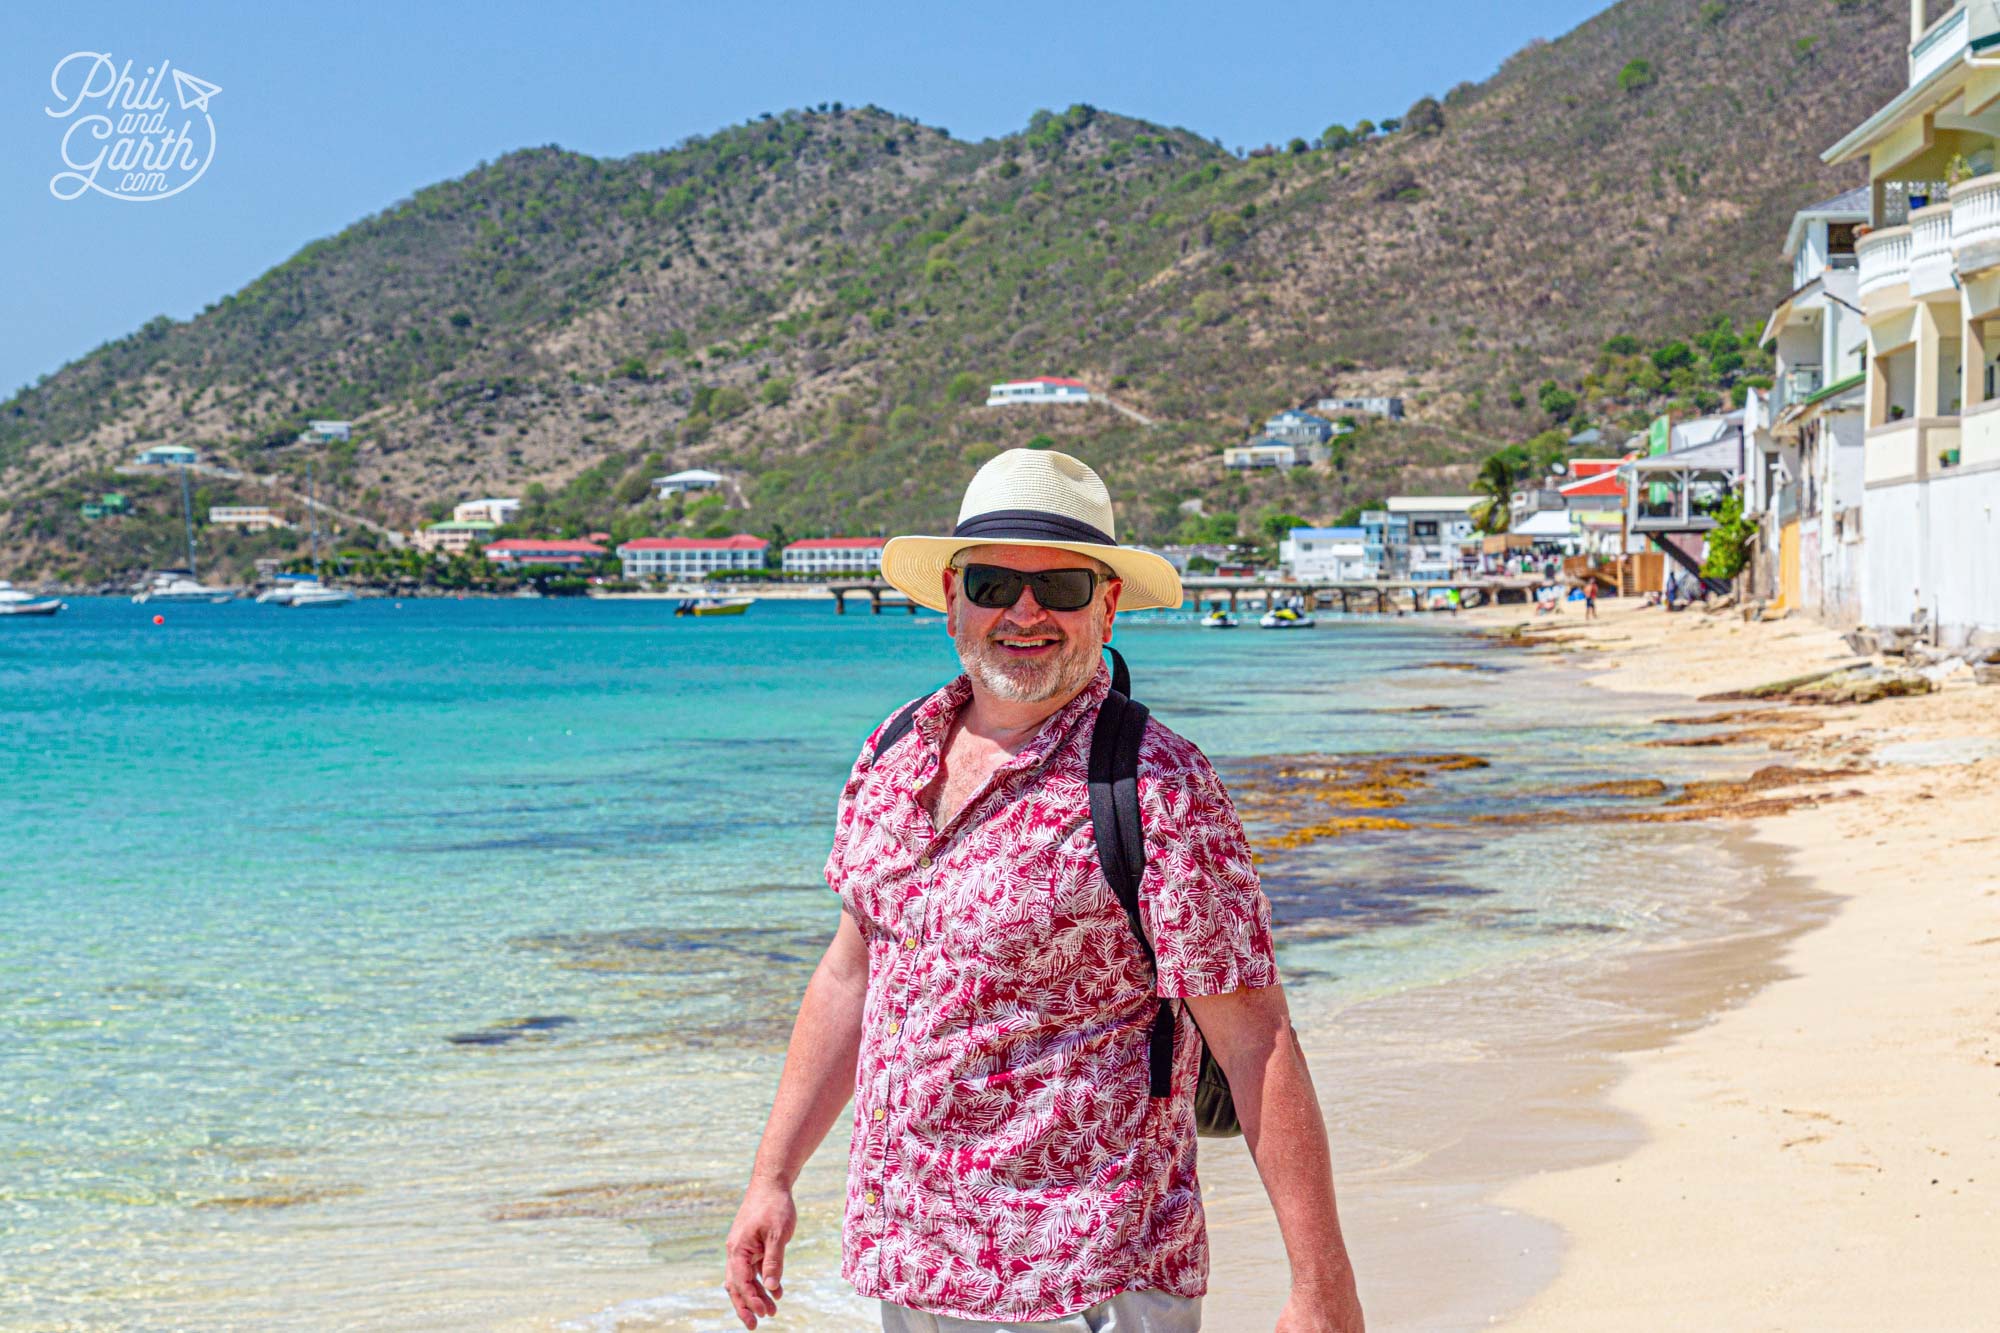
(1885, 259)
(1930, 250)
(1975, 222)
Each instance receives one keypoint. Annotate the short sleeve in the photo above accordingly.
(843, 819)
(1209, 918)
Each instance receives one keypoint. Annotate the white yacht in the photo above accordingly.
(318, 594)
(14, 602)
(177, 585)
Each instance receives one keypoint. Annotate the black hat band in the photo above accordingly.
(1030, 525)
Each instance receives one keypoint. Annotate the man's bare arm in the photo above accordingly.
(1250, 1034)
(817, 1081)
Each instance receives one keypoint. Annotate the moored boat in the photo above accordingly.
(179, 586)
(14, 602)
(1286, 617)
(713, 606)
(1218, 619)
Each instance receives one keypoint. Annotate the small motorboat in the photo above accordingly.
(713, 606)
(1287, 617)
(14, 602)
(180, 586)
(1217, 619)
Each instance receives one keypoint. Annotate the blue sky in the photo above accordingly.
(330, 112)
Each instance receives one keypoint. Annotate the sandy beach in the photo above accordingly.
(1795, 1128)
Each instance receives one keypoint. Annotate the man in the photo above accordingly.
(984, 1001)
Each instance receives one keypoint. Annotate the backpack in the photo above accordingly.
(1121, 851)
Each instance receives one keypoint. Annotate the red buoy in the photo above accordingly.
(159, 620)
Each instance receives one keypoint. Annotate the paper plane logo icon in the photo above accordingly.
(194, 93)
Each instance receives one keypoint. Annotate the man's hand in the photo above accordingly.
(1317, 1311)
(755, 1271)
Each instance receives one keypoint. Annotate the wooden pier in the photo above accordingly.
(877, 593)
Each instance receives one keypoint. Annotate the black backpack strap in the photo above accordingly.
(1121, 843)
(898, 726)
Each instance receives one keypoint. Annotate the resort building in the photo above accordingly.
(1389, 408)
(1043, 389)
(1928, 283)
(834, 555)
(1332, 555)
(1301, 428)
(454, 538)
(673, 558)
(519, 552)
(491, 510)
(1267, 452)
(168, 455)
(682, 483)
(250, 518)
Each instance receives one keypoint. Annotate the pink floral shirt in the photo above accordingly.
(1007, 1161)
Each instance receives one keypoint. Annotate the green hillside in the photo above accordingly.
(813, 303)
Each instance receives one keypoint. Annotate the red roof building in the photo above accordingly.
(834, 555)
(541, 551)
(690, 557)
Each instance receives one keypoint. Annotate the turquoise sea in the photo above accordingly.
(426, 965)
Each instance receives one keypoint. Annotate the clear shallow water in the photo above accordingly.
(427, 965)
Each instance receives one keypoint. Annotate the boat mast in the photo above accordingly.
(187, 521)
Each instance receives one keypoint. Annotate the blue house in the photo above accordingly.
(1295, 427)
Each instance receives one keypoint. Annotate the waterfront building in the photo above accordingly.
(1042, 389)
(1388, 408)
(682, 483)
(491, 510)
(250, 518)
(1421, 536)
(1334, 555)
(458, 537)
(518, 552)
(1804, 483)
(691, 557)
(834, 555)
(168, 455)
(1928, 284)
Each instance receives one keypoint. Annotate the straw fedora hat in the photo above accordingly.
(1032, 497)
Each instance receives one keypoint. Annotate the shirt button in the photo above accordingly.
(910, 943)
(923, 863)
(880, 1113)
(895, 1026)
(869, 1197)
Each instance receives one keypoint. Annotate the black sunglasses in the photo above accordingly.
(995, 586)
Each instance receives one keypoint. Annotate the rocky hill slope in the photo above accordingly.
(813, 303)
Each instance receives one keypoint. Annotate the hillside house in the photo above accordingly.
(689, 482)
(1390, 409)
(1264, 451)
(250, 518)
(1042, 389)
(168, 455)
(1295, 427)
(458, 537)
(492, 510)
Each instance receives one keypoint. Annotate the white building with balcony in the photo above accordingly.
(834, 555)
(1804, 473)
(250, 518)
(678, 558)
(1331, 555)
(1265, 451)
(1437, 535)
(489, 510)
(1929, 292)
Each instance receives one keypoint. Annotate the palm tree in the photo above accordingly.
(1496, 482)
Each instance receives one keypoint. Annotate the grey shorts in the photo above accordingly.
(1127, 1312)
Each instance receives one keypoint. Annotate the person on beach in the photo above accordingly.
(1590, 599)
(984, 1001)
